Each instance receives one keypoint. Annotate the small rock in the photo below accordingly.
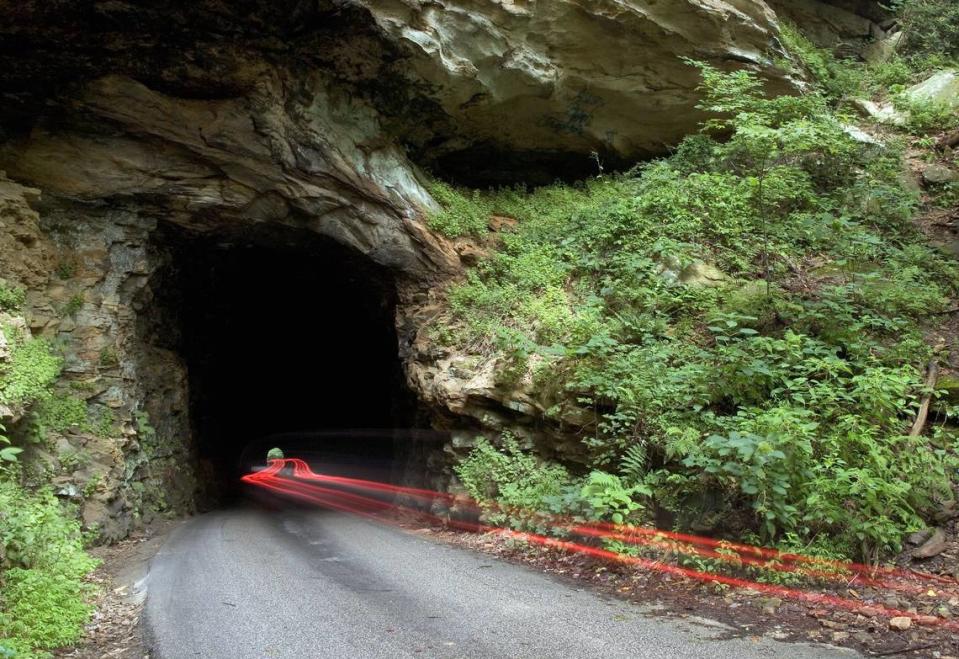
(934, 546)
(927, 620)
(919, 537)
(838, 637)
(884, 113)
(771, 604)
(861, 136)
(902, 623)
(947, 511)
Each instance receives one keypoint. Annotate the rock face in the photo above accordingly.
(533, 87)
(538, 82)
(303, 156)
(86, 276)
(122, 119)
(833, 23)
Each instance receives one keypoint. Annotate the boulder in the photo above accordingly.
(882, 50)
(700, 274)
(947, 387)
(939, 89)
(487, 91)
(936, 174)
(542, 81)
(833, 23)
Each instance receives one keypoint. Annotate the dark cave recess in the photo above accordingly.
(289, 339)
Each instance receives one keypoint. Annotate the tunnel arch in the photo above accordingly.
(288, 337)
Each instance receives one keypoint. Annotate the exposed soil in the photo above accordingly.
(114, 631)
(749, 612)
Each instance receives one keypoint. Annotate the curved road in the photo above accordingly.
(307, 583)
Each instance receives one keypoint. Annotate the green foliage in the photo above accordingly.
(58, 413)
(461, 212)
(8, 454)
(66, 269)
(103, 422)
(109, 357)
(43, 595)
(930, 27)
(511, 485)
(837, 78)
(924, 117)
(608, 499)
(33, 366)
(73, 305)
(11, 297)
(753, 406)
(42, 563)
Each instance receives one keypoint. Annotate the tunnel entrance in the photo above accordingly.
(289, 340)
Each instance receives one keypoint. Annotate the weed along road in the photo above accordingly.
(255, 583)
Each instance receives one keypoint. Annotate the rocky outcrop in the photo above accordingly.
(526, 83)
(122, 119)
(534, 87)
(847, 25)
(293, 152)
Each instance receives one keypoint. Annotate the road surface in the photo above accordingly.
(258, 583)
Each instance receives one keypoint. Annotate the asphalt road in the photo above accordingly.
(251, 582)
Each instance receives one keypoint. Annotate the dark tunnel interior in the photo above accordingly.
(289, 339)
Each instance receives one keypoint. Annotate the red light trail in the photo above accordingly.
(343, 494)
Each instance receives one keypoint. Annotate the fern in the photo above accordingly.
(633, 465)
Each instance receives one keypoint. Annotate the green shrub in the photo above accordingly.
(929, 26)
(33, 367)
(58, 413)
(923, 117)
(11, 298)
(461, 213)
(43, 596)
(759, 401)
(511, 485)
(73, 305)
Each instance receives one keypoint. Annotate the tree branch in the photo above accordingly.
(932, 374)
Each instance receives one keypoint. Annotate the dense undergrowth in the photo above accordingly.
(744, 320)
(43, 595)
